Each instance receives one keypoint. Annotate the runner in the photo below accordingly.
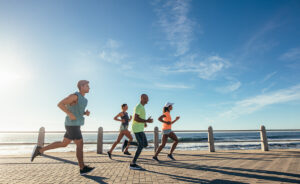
(123, 130)
(138, 124)
(167, 131)
(74, 106)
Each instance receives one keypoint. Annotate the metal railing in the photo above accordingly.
(210, 138)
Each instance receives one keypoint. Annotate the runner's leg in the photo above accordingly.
(121, 134)
(142, 142)
(145, 141)
(173, 136)
(163, 144)
(128, 135)
(55, 145)
(79, 152)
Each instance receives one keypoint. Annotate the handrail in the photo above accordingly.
(285, 140)
(250, 130)
(283, 130)
(210, 138)
(235, 141)
(197, 131)
(108, 131)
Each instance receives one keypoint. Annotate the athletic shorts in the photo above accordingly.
(73, 132)
(141, 139)
(123, 127)
(166, 132)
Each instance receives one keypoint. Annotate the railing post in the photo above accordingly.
(211, 142)
(100, 141)
(155, 138)
(41, 137)
(264, 139)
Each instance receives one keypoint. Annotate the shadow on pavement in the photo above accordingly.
(97, 179)
(60, 159)
(240, 172)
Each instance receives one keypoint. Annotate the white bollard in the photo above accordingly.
(41, 137)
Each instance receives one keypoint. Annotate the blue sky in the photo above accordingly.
(229, 64)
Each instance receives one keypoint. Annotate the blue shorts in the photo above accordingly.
(166, 132)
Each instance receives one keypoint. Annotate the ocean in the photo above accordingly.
(187, 141)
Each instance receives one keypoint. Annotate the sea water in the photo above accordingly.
(187, 141)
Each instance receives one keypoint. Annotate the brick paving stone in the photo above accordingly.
(240, 166)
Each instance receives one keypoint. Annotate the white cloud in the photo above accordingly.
(207, 69)
(111, 56)
(258, 42)
(112, 44)
(268, 76)
(233, 86)
(175, 23)
(250, 105)
(86, 61)
(268, 87)
(110, 52)
(292, 54)
(172, 86)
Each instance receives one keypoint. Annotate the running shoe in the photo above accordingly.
(155, 158)
(85, 170)
(135, 167)
(35, 152)
(171, 156)
(124, 145)
(109, 154)
(127, 153)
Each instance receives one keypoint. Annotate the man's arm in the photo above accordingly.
(140, 120)
(68, 101)
(87, 113)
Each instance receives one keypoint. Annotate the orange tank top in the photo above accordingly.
(165, 126)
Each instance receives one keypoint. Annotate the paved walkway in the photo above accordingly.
(280, 166)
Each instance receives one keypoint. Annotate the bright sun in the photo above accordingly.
(13, 67)
(9, 77)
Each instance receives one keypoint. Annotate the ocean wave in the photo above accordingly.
(283, 136)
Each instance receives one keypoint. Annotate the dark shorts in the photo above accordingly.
(73, 132)
(141, 139)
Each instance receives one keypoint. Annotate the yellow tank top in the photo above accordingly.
(165, 126)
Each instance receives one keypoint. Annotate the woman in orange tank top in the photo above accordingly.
(167, 131)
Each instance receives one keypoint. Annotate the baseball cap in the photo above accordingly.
(168, 104)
